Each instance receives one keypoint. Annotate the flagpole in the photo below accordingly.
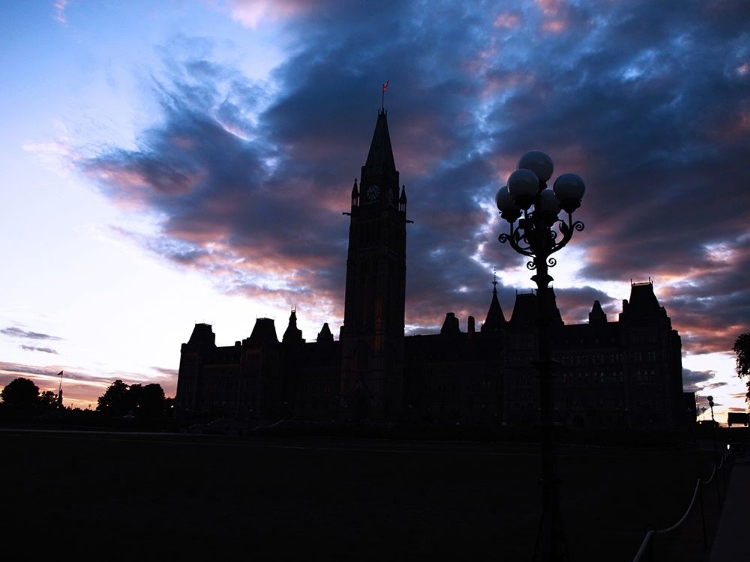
(382, 95)
(59, 392)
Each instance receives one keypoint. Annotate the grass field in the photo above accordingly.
(116, 496)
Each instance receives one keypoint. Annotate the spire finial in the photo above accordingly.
(494, 280)
(382, 97)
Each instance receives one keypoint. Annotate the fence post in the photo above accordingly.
(703, 513)
(718, 488)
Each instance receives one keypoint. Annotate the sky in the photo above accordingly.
(183, 161)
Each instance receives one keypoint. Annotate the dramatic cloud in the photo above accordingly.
(695, 380)
(649, 102)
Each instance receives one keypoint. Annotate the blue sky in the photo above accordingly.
(188, 161)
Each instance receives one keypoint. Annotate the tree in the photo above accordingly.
(116, 400)
(20, 393)
(141, 401)
(742, 351)
(151, 403)
(134, 397)
(48, 400)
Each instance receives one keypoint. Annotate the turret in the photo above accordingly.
(450, 325)
(597, 316)
(355, 194)
(495, 320)
(402, 200)
(292, 333)
(325, 334)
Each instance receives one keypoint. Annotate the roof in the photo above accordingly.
(202, 333)
(524, 310)
(380, 161)
(643, 302)
(597, 314)
(264, 331)
(495, 320)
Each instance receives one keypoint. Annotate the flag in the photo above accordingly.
(385, 86)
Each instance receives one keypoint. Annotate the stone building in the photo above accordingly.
(624, 373)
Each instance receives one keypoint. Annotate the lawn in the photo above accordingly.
(176, 497)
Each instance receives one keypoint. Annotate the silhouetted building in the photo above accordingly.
(625, 373)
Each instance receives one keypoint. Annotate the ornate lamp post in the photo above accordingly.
(536, 230)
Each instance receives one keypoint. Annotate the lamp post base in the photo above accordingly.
(550, 543)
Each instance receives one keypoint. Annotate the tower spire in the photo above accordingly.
(495, 320)
(380, 165)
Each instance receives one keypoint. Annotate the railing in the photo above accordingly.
(647, 545)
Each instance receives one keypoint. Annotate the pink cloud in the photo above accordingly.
(251, 12)
(59, 7)
(507, 20)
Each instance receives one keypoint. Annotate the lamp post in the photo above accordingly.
(713, 426)
(532, 211)
(716, 450)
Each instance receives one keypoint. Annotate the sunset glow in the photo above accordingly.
(191, 163)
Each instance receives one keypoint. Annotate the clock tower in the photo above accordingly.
(372, 337)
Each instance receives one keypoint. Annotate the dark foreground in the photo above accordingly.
(116, 496)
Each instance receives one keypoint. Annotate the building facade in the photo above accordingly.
(625, 373)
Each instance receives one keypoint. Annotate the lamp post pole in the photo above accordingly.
(713, 427)
(532, 212)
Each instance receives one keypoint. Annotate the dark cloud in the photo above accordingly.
(693, 381)
(166, 372)
(21, 370)
(51, 373)
(40, 349)
(648, 102)
(717, 384)
(20, 333)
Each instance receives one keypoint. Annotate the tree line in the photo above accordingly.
(120, 400)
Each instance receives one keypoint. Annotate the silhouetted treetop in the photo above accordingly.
(121, 399)
(742, 351)
(115, 401)
(20, 393)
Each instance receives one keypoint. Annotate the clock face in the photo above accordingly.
(372, 192)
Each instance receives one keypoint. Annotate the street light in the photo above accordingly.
(532, 211)
(716, 450)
